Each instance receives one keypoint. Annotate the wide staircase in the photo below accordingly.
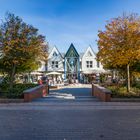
(70, 95)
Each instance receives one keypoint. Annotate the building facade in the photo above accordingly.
(74, 66)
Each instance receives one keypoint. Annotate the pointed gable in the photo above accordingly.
(54, 53)
(72, 52)
(89, 53)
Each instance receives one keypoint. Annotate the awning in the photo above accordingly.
(94, 71)
(53, 73)
(36, 73)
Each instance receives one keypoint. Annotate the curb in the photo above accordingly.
(11, 100)
(125, 99)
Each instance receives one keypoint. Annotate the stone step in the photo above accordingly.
(70, 97)
(92, 99)
(75, 97)
(67, 100)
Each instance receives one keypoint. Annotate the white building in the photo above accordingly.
(73, 65)
(55, 61)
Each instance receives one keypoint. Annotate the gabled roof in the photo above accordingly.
(54, 49)
(72, 52)
(89, 49)
(92, 50)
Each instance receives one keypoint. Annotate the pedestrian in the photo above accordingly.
(40, 82)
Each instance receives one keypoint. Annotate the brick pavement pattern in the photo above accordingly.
(66, 119)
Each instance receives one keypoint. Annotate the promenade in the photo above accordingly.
(79, 118)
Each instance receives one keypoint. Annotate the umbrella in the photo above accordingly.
(54, 73)
(94, 71)
(36, 73)
(99, 71)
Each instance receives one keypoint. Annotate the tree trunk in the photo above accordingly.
(12, 75)
(128, 79)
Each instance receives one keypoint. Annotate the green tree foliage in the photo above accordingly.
(119, 44)
(21, 47)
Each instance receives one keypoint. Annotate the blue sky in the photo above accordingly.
(66, 21)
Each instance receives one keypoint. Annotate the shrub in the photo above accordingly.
(17, 91)
(121, 91)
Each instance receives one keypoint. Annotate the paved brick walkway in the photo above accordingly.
(43, 122)
(70, 119)
(68, 94)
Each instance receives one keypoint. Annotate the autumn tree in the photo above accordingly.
(21, 46)
(119, 44)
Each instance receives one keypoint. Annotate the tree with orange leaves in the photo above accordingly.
(119, 44)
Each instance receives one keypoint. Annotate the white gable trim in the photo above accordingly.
(53, 50)
(89, 49)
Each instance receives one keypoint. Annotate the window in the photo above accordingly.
(54, 64)
(89, 64)
(98, 64)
